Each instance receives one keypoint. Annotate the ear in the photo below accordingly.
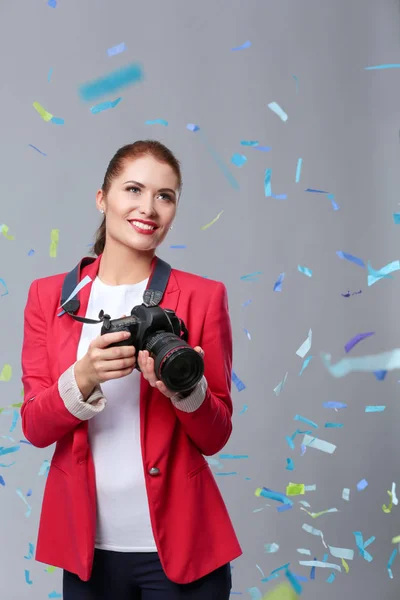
(100, 204)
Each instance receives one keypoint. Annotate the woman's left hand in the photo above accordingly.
(146, 364)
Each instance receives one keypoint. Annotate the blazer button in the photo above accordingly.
(154, 471)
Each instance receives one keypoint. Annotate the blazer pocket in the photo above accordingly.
(197, 470)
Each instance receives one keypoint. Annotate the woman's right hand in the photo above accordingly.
(101, 364)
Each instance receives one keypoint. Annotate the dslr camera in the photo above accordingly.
(164, 336)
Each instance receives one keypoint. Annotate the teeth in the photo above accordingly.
(142, 225)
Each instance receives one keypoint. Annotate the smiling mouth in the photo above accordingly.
(143, 226)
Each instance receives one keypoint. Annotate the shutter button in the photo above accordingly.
(154, 471)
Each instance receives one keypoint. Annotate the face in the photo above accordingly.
(141, 204)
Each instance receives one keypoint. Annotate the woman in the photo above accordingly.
(131, 509)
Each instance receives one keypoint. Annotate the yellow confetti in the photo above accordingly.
(396, 539)
(54, 237)
(295, 489)
(388, 509)
(318, 514)
(345, 565)
(46, 116)
(281, 592)
(50, 569)
(213, 221)
(6, 373)
(4, 231)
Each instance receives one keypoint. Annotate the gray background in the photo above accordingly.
(343, 122)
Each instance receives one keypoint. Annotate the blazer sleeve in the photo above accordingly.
(50, 409)
(210, 425)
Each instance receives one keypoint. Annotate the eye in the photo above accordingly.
(133, 188)
(166, 197)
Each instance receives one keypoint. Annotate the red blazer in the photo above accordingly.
(191, 525)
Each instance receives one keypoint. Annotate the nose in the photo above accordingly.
(147, 207)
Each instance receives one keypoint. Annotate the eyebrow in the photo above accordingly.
(142, 186)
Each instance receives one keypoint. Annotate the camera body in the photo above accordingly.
(164, 336)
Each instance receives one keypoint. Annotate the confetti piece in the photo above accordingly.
(4, 231)
(267, 493)
(396, 218)
(274, 106)
(44, 469)
(351, 258)
(157, 122)
(192, 127)
(46, 116)
(3, 283)
(380, 375)
(280, 385)
(321, 564)
(383, 361)
(378, 274)
(298, 169)
(27, 576)
(54, 239)
(116, 49)
(319, 514)
(30, 553)
(238, 160)
(284, 591)
(249, 143)
(105, 106)
(37, 150)
(331, 197)
(374, 409)
(278, 283)
(361, 545)
(255, 593)
(178, 247)
(54, 594)
(289, 465)
(345, 565)
(50, 569)
(238, 383)
(396, 540)
(304, 551)
(386, 66)
(304, 270)
(305, 364)
(9, 450)
(14, 421)
(335, 405)
(212, 222)
(305, 346)
(307, 421)
(57, 120)
(390, 563)
(111, 83)
(293, 582)
(20, 494)
(319, 444)
(314, 191)
(388, 509)
(314, 531)
(344, 553)
(248, 334)
(331, 578)
(242, 47)
(232, 456)
(267, 183)
(393, 492)
(251, 276)
(244, 409)
(263, 148)
(356, 339)
(230, 473)
(333, 425)
(49, 75)
(6, 373)
(271, 548)
(218, 160)
(295, 489)
(389, 268)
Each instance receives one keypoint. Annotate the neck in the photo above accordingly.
(122, 266)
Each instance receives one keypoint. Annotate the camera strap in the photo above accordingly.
(152, 295)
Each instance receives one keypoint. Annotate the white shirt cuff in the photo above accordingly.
(73, 399)
(194, 400)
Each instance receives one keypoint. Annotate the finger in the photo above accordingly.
(199, 350)
(160, 385)
(102, 341)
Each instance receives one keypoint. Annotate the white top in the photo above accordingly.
(123, 518)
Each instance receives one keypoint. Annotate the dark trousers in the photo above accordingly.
(140, 576)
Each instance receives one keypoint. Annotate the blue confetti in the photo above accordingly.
(396, 218)
(239, 384)
(242, 47)
(278, 283)
(37, 150)
(351, 258)
(116, 49)
(304, 270)
(111, 83)
(157, 122)
(27, 577)
(192, 127)
(374, 409)
(57, 121)
(298, 169)
(335, 405)
(289, 465)
(267, 183)
(386, 66)
(104, 106)
(380, 375)
(238, 160)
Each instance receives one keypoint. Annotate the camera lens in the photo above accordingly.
(175, 362)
